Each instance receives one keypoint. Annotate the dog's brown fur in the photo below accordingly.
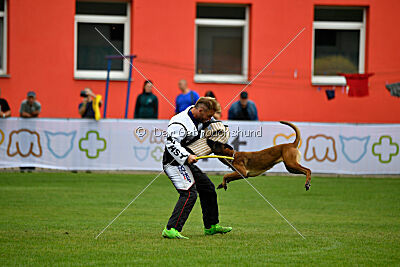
(251, 164)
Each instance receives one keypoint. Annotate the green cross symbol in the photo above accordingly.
(92, 144)
(157, 153)
(385, 149)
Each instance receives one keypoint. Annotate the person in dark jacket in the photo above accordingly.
(146, 103)
(5, 110)
(244, 109)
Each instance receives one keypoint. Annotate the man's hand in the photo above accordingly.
(35, 113)
(82, 109)
(26, 115)
(192, 159)
(89, 92)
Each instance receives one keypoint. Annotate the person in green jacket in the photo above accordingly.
(146, 103)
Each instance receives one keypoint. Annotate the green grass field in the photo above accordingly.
(53, 218)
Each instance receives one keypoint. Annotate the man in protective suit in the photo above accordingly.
(178, 163)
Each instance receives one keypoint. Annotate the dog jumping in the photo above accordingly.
(251, 164)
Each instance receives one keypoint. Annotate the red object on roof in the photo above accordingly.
(357, 83)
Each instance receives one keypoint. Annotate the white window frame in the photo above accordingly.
(103, 19)
(225, 78)
(3, 14)
(339, 25)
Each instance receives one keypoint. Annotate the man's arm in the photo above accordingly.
(38, 108)
(82, 108)
(256, 116)
(24, 114)
(176, 105)
(22, 111)
(231, 113)
(254, 113)
(6, 111)
(155, 107)
(34, 114)
(196, 97)
(5, 114)
(175, 134)
(136, 114)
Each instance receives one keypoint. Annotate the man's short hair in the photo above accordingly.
(244, 95)
(208, 102)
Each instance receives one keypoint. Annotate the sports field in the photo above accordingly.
(52, 219)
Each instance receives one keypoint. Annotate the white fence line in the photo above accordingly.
(113, 144)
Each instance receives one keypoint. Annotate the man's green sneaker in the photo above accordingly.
(172, 233)
(217, 229)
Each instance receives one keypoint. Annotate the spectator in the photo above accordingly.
(210, 94)
(5, 110)
(146, 103)
(86, 107)
(243, 109)
(217, 115)
(186, 98)
(30, 108)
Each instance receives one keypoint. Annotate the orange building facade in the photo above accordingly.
(46, 48)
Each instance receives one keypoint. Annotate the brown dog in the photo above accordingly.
(251, 164)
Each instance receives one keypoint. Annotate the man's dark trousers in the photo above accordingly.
(187, 199)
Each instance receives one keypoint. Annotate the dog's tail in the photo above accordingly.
(297, 140)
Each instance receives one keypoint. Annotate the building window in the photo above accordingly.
(3, 37)
(113, 21)
(339, 43)
(221, 43)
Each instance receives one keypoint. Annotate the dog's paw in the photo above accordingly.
(307, 186)
(224, 186)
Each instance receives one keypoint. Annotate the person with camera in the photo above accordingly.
(86, 106)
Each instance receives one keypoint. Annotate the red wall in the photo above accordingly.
(41, 53)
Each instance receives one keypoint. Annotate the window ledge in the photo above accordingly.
(214, 78)
(5, 76)
(101, 75)
(101, 79)
(328, 80)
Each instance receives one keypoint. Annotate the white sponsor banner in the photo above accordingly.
(74, 144)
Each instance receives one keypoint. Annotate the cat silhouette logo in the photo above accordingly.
(60, 144)
(354, 148)
(24, 142)
(320, 147)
